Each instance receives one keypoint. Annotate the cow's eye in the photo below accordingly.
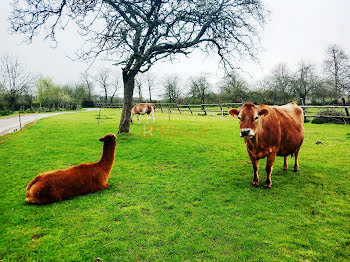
(256, 118)
(239, 118)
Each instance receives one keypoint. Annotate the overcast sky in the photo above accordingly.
(296, 30)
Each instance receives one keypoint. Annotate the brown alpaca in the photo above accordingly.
(55, 186)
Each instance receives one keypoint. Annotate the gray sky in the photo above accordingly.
(296, 30)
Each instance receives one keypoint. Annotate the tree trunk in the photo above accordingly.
(129, 84)
(106, 96)
(150, 95)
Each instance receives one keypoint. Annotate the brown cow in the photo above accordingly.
(141, 109)
(271, 131)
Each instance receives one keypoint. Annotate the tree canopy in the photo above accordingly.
(135, 34)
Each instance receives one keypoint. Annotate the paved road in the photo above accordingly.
(8, 125)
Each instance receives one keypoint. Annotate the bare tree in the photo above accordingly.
(171, 89)
(138, 83)
(103, 80)
(145, 80)
(233, 88)
(86, 78)
(200, 89)
(115, 86)
(15, 79)
(304, 82)
(278, 83)
(150, 85)
(337, 68)
(136, 34)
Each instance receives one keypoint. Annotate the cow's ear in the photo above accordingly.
(102, 139)
(233, 112)
(263, 112)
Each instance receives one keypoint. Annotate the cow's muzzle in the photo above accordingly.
(247, 133)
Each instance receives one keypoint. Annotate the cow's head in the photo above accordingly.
(249, 116)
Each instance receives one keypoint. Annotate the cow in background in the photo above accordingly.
(271, 131)
(141, 109)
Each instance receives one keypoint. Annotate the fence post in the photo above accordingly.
(189, 108)
(344, 104)
(302, 103)
(169, 111)
(19, 117)
(99, 114)
(178, 108)
(346, 110)
(222, 111)
(161, 108)
(203, 108)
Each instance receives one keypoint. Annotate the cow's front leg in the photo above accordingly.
(269, 166)
(296, 164)
(138, 119)
(131, 117)
(255, 163)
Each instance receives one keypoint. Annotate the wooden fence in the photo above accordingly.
(222, 109)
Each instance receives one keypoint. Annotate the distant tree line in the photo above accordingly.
(22, 90)
(308, 84)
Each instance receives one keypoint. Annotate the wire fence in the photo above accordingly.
(223, 108)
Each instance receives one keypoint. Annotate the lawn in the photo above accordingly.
(181, 194)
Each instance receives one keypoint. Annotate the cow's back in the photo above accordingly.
(281, 131)
(142, 109)
(290, 119)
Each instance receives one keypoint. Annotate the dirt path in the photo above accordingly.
(8, 125)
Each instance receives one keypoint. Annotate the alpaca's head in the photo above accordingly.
(109, 138)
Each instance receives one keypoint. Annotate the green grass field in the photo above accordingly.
(181, 194)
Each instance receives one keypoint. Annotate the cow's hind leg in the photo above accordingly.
(152, 113)
(296, 164)
(269, 166)
(255, 163)
(285, 164)
(148, 118)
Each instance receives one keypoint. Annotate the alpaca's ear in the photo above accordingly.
(233, 112)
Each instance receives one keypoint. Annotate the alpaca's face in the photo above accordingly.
(108, 138)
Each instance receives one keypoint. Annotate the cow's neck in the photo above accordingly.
(253, 145)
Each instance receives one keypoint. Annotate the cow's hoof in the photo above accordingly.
(295, 170)
(255, 183)
(267, 186)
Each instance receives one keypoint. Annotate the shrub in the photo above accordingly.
(329, 112)
(6, 112)
(88, 103)
(30, 110)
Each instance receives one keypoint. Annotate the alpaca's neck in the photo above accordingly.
(107, 159)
